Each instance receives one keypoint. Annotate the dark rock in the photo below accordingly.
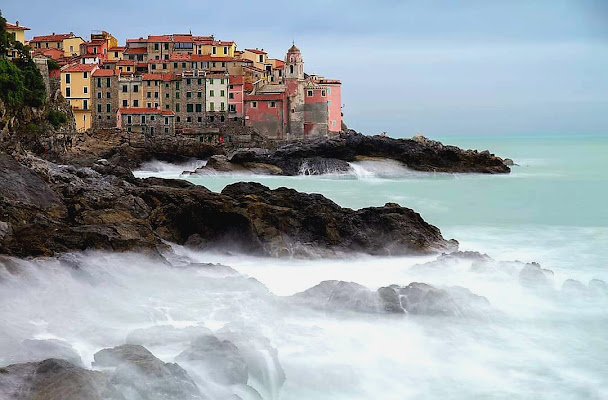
(508, 162)
(54, 379)
(137, 370)
(82, 208)
(339, 296)
(419, 153)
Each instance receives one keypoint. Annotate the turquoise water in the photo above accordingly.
(531, 344)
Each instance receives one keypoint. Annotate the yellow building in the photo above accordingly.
(76, 88)
(68, 42)
(18, 33)
(215, 48)
(116, 53)
(259, 58)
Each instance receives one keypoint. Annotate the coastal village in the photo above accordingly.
(183, 84)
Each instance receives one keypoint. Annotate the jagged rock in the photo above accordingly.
(76, 208)
(36, 350)
(54, 379)
(339, 296)
(139, 371)
(508, 162)
(534, 277)
(419, 153)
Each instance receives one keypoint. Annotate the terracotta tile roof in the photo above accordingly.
(256, 51)
(329, 81)
(117, 48)
(53, 53)
(152, 77)
(79, 68)
(248, 86)
(274, 97)
(16, 27)
(277, 63)
(139, 110)
(223, 43)
(52, 38)
(216, 76)
(167, 112)
(159, 38)
(182, 38)
(126, 62)
(236, 79)
(254, 68)
(106, 72)
(207, 57)
(136, 50)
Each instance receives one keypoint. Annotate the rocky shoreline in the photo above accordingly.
(322, 156)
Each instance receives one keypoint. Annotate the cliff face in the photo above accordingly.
(49, 208)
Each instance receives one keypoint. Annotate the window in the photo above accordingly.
(211, 81)
(143, 119)
(153, 66)
(188, 95)
(149, 105)
(193, 65)
(214, 50)
(177, 85)
(254, 104)
(116, 54)
(183, 65)
(108, 82)
(156, 46)
(188, 119)
(333, 123)
(166, 46)
(309, 93)
(128, 69)
(99, 95)
(223, 64)
(166, 130)
(188, 81)
(189, 107)
(68, 92)
(98, 82)
(85, 89)
(129, 119)
(231, 95)
(261, 58)
(166, 95)
(212, 93)
(322, 93)
(199, 95)
(200, 81)
(152, 118)
(166, 120)
(149, 95)
(71, 49)
(67, 78)
(175, 65)
(222, 118)
(85, 104)
(213, 64)
(211, 118)
(125, 103)
(222, 93)
(232, 107)
(124, 88)
(221, 81)
(177, 95)
(135, 103)
(129, 129)
(211, 106)
(85, 75)
(272, 104)
(291, 69)
(156, 95)
(231, 87)
(135, 88)
(199, 119)
(177, 119)
(199, 108)
(108, 107)
(222, 107)
(225, 49)
(148, 83)
(176, 107)
(328, 90)
(98, 108)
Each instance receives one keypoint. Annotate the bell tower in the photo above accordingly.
(294, 89)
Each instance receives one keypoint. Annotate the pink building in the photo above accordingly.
(235, 95)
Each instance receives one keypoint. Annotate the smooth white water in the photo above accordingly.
(532, 344)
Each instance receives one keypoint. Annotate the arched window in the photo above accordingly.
(291, 69)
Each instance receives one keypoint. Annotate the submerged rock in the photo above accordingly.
(415, 298)
(139, 371)
(598, 287)
(534, 277)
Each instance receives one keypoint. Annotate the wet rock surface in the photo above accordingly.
(324, 155)
(102, 207)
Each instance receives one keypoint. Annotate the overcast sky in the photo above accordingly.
(436, 67)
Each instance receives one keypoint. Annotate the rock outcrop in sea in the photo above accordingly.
(50, 208)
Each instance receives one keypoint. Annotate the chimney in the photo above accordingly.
(17, 23)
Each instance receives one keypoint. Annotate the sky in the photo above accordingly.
(478, 67)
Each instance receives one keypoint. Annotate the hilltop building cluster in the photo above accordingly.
(187, 84)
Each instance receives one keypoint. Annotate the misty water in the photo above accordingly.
(531, 343)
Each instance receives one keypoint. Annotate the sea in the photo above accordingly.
(551, 209)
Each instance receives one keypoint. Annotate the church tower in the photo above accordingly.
(294, 88)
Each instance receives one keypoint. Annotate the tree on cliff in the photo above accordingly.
(20, 81)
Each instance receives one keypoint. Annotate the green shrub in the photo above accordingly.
(53, 65)
(56, 118)
(12, 90)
